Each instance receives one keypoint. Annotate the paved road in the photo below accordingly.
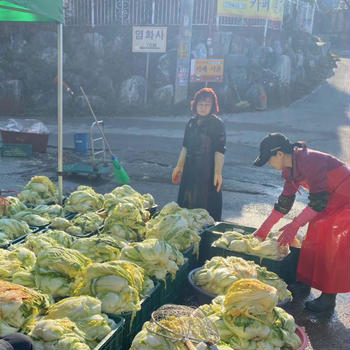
(148, 147)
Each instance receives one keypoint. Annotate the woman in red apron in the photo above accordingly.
(202, 157)
(325, 251)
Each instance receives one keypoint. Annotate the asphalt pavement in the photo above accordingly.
(148, 148)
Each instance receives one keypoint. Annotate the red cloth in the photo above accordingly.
(325, 253)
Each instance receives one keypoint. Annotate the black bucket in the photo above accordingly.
(202, 296)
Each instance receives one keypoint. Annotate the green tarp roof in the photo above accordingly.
(31, 10)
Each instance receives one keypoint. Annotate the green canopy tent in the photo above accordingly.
(43, 11)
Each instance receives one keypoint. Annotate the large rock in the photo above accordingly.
(49, 55)
(235, 70)
(323, 48)
(165, 72)
(105, 88)
(114, 47)
(132, 91)
(97, 102)
(284, 69)
(11, 97)
(11, 88)
(221, 43)
(200, 51)
(235, 60)
(2, 74)
(46, 38)
(164, 95)
(17, 44)
(97, 42)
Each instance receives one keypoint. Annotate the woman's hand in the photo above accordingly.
(176, 175)
(217, 181)
(289, 231)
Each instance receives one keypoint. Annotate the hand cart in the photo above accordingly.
(97, 164)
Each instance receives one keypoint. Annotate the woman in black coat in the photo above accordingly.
(201, 159)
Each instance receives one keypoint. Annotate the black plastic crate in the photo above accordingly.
(211, 233)
(113, 340)
(69, 215)
(39, 228)
(88, 234)
(207, 238)
(191, 256)
(19, 239)
(221, 227)
(152, 210)
(171, 290)
(284, 268)
(133, 326)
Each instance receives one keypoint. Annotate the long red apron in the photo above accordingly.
(324, 261)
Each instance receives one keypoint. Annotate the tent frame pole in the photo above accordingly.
(60, 109)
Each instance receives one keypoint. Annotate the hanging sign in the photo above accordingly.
(207, 70)
(268, 9)
(149, 39)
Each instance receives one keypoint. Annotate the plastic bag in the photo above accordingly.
(26, 125)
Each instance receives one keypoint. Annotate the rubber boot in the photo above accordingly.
(325, 302)
(299, 289)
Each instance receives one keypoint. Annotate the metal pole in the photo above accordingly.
(153, 11)
(210, 32)
(146, 77)
(183, 51)
(60, 109)
(93, 13)
(265, 30)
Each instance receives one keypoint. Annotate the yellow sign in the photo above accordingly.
(207, 70)
(269, 9)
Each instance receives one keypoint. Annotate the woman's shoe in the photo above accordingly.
(325, 302)
(300, 289)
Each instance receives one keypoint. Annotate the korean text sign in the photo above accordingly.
(270, 9)
(149, 39)
(207, 70)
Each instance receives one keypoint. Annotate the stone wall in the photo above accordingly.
(101, 61)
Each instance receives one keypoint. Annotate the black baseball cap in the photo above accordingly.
(269, 145)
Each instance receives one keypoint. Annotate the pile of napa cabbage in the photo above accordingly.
(39, 190)
(218, 274)
(246, 318)
(178, 226)
(249, 244)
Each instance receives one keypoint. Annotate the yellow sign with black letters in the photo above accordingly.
(207, 70)
(268, 9)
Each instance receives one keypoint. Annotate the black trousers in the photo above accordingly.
(16, 341)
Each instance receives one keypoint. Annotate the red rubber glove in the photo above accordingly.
(266, 226)
(290, 230)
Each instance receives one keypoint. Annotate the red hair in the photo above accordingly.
(202, 94)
